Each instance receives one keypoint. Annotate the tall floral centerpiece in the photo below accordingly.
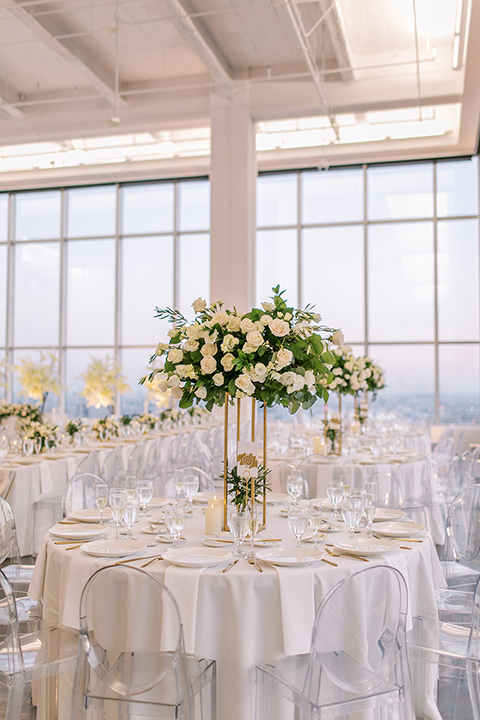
(103, 379)
(274, 354)
(39, 377)
(375, 381)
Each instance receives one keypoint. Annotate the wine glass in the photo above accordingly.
(130, 515)
(38, 445)
(28, 446)
(351, 513)
(370, 504)
(252, 521)
(315, 517)
(175, 520)
(131, 487)
(117, 500)
(238, 528)
(178, 482)
(297, 522)
(145, 494)
(190, 487)
(3, 447)
(335, 495)
(294, 487)
(101, 498)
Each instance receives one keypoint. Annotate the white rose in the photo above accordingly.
(227, 362)
(310, 379)
(254, 338)
(244, 383)
(194, 332)
(208, 365)
(248, 348)
(191, 345)
(171, 333)
(266, 319)
(201, 393)
(208, 349)
(298, 383)
(181, 370)
(175, 355)
(349, 365)
(259, 325)
(198, 305)
(284, 357)
(317, 318)
(229, 343)
(287, 378)
(268, 306)
(161, 348)
(279, 328)
(174, 381)
(259, 372)
(233, 323)
(176, 393)
(288, 316)
(221, 317)
(337, 338)
(246, 325)
(218, 379)
(337, 371)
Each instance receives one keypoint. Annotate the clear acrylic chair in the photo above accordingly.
(28, 658)
(317, 470)
(463, 534)
(389, 493)
(357, 661)
(131, 656)
(283, 471)
(90, 463)
(415, 479)
(80, 493)
(113, 468)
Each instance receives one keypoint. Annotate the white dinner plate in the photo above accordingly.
(328, 526)
(217, 542)
(113, 548)
(289, 557)
(258, 542)
(394, 529)
(151, 531)
(386, 514)
(157, 502)
(78, 531)
(197, 557)
(273, 498)
(90, 515)
(167, 539)
(202, 498)
(366, 546)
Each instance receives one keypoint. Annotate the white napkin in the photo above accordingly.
(46, 484)
(297, 602)
(183, 583)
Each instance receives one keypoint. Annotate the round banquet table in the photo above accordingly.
(241, 618)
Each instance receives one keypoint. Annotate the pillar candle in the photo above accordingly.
(213, 516)
(318, 446)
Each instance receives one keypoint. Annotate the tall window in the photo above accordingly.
(391, 255)
(82, 269)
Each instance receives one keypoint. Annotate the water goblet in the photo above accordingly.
(117, 500)
(131, 487)
(190, 487)
(252, 522)
(130, 515)
(351, 515)
(101, 498)
(178, 482)
(335, 495)
(38, 445)
(3, 447)
(370, 504)
(294, 487)
(315, 517)
(238, 528)
(297, 522)
(145, 494)
(174, 521)
(28, 446)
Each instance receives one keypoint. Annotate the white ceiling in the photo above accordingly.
(68, 66)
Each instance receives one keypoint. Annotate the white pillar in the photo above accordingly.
(233, 177)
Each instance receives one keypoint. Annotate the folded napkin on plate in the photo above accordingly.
(297, 602)
(183, 583)
(46, 484)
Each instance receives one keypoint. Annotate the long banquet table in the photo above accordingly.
(241, 618)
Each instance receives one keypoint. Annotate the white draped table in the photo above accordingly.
(241, 618)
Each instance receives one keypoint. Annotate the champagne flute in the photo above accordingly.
(294, 487)
(190, 488)
(315, 517)
(129, 516)
(174, 521)
(238, 528)
(101, 498)
(117, 500)
(297, 522)
(145, 494)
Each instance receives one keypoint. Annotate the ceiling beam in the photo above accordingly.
(198, 37)
(335, 29)
(76, 56)
(8, 109)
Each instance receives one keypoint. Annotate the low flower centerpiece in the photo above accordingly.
(275, 354)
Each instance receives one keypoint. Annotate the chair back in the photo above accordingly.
(284, 470)
(113, 468)
(136, 460)
(473, 655)
(80, 493)
(389, 494)
(10, 647)
(8, 534)
(131, 634)
(318, 471)
(90, 463)
(415, 479)
(358, 639)
(463, 527)
(460, 475)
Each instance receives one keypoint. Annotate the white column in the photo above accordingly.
(233, 176)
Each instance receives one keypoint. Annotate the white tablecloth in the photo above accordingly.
(241, 618)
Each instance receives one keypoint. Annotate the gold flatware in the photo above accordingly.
(330, 562)
(159, 557)
(74, 547)
(356, 557)
(253, 562)
(403, 539)
(404, 547)
(229, 567)
(145, 557)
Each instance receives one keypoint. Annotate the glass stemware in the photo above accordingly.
(174, 521)
(130, 515)
(297, 522)
(131, 487)
(117, 500)
(28, 446)
(178, 482)
(101, 498)
(294, 487)
(335, 495)
(370, 504)
(190, 487)
(3, 447)
(145, 494)
(238, 528)
(38, 445)
(315, 517)
(352, 514)
(252, 522)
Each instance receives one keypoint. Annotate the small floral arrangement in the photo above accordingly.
(374, 376)
(105, 427)
(349, 373)
(103, 379)
(240, 489)
(21, 410)
(275, 354)
(39, 377)
(125, 420)
(74, 426)
(33, 429)
(148, 420)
